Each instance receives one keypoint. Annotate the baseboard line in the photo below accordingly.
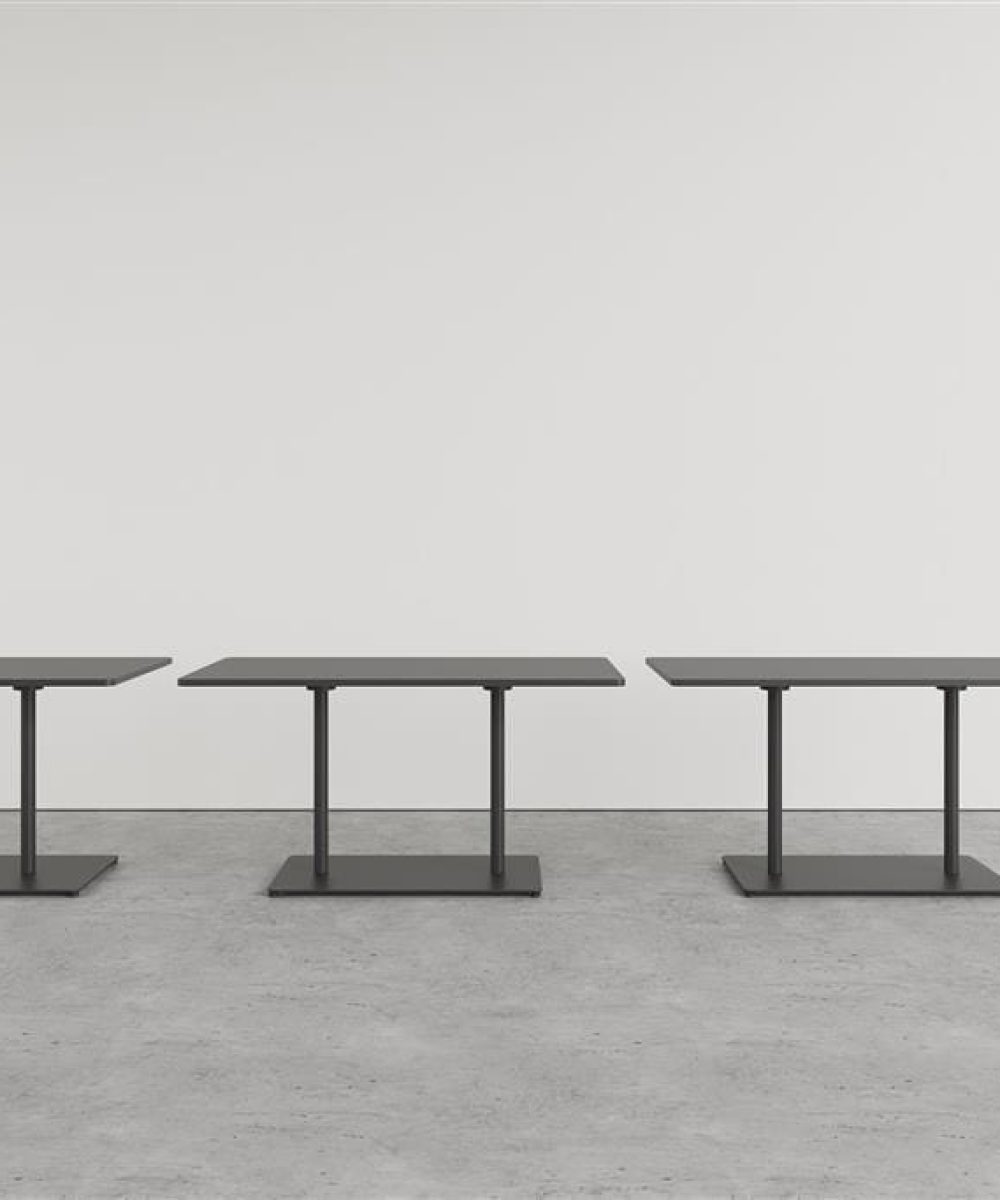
(510, 811)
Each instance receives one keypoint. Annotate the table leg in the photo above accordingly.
(323, 874)
(321, 781)
(861, 874)
(29, 873)
(774, 781)
(951, 859)
(28, 781)
(497, 781)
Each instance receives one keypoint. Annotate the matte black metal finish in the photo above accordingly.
(406, 672)
(828, 672)
(75, 672)
(951, 782)
(31, 874)
(861, 875)
(54, 874)
(774, 781)
(28, 695)
(497, 765)
(409, 875)
(321, 780)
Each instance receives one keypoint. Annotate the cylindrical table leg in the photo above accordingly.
(951, 781)
(321, 781)
(497, 754)
(27, 780)
(774, 781)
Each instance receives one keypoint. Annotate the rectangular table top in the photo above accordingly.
(828, 672)
(406, 672)
(74, 672)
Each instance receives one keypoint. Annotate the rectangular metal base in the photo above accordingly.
(408, 875)
(55, 874)
(861, 875)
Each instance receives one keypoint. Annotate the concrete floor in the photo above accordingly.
(641, 1030)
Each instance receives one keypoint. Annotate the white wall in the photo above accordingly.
(419, 330)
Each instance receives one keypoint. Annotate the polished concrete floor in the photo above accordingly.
(640, 1030)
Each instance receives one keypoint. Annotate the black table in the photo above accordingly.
(30, 874)
(848, 875)
(393, 875)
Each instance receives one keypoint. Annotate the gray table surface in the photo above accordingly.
(406, 672)
(74, 672)
(828, 672)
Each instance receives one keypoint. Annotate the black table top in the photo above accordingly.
(74, 672)
(828, 672)
(406, 672)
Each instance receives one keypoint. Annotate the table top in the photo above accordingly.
(74, 672)
(828, 672)
(406, 672)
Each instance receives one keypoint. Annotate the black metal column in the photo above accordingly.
(321, 781)
(497, 764)
(774, 781)
(27, 780)
(951, 781)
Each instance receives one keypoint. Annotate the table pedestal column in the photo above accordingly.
(780, 874)
(497, 781)
(325, 874)
(27, 873)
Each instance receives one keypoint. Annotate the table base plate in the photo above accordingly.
(861, 875)
(55, 874)
(408, 875)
